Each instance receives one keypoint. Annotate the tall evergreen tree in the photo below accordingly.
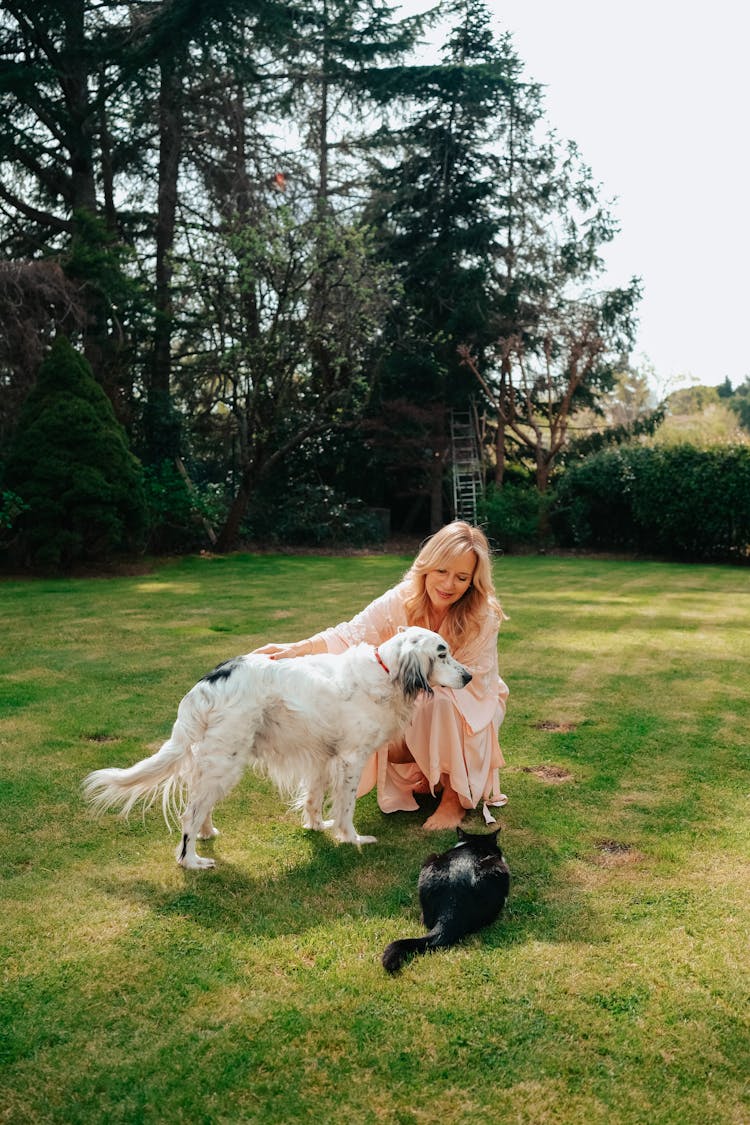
(71, 464)
(435, 206)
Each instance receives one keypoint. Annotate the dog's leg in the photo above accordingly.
(195, 814)
(311, 803)
(208, 829)
(215, 774)
(346, 780)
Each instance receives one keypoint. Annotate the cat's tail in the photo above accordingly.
(398, 952)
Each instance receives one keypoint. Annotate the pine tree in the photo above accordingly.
(71, 465)
(436, 207)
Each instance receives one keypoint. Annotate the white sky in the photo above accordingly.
(656, 94)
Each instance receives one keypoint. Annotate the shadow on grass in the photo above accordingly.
(338, 882)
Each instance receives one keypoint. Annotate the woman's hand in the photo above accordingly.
(284, 651)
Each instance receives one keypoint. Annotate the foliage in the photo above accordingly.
(35, 297)
(11, 508)
(675, 501)
(435, 189)
(646, 425)
(618, 415)
(739, 401)
(179, 514)
(273, 223)
(613, 990)
(308, 514)
(513, 515)
(254, 391)
(692, 400)
(71, 465)
(716, 425)
(704, 417)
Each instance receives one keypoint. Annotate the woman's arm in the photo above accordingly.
(376, 622)
(311, 647)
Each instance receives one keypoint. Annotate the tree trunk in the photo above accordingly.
(79, 126)
(500, 453)
(229, 534)
(437, 468)
(162, 431)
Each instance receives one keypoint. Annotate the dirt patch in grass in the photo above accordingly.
(554, 775)
(555, 726)
(615, 853)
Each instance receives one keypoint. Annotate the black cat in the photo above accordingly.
(460, 891)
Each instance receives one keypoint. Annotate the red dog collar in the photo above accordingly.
(380, 661)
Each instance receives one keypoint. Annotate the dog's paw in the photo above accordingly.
(197, 863)
(315, 824)
(354, 838)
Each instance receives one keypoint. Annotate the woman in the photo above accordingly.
(451, 745)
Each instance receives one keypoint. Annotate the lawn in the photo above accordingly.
(614, 989)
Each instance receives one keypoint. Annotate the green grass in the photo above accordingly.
(614, 989)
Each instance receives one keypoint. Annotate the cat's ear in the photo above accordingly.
(460, 833)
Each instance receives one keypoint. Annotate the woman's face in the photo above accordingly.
(448, 583)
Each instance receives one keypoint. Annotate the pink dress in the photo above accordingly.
(453, 732)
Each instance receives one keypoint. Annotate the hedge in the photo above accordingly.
(679, 502)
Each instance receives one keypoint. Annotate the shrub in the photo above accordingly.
(512, 515)
(179, 515)
(592, 506)
(675, 501)
(313, 515)
(71, 466)
(11, 507)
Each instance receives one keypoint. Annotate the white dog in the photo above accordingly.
(309, 723)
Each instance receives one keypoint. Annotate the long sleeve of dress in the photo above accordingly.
(376, 623)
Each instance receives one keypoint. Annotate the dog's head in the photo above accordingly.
(420, 660)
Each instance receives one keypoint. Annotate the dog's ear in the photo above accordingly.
(411, 673)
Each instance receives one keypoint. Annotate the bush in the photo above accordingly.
(512, 515)
(11, 507)
(71, 466)
(178, 515)
(313, 515)
(592, 506)
(673, 501)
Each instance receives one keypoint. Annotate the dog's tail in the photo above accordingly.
(398, 952)
(165, 772)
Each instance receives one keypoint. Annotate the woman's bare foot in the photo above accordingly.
(449, 813)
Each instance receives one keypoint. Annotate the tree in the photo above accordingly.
(53, 90)
(434, 208)
(617, 416)
(740, 403)
(284, 328)
(572, 356)
(71, 465)
(246, 371)
(35, 297)
(198, 56)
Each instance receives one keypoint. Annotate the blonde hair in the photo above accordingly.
(468, 615)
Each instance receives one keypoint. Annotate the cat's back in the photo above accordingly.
(466, 886)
